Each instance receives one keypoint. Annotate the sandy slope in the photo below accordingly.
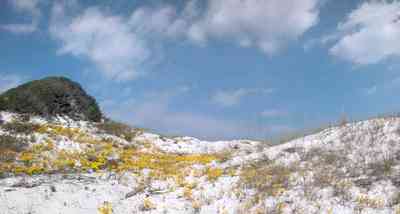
(349, 169)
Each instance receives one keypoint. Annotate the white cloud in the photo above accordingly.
(229, 98)
(321, 41)
(106, 40)
(25, 5)
(28, 7)
(154, 111)
(273, 113)
(120, 46)
(162, 21)
(268, 25)
(8, 81)
(20, 28)
(370, 34)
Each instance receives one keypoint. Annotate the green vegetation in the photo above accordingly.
(11, 143)
(50, 97)
(20, 128)
(99, 154)
(119, 129)
(9, 148)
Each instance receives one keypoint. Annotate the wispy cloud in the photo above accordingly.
(321, 41)
(106, 40)
(20, 28)
(274, 113)
(383, 87)
(29, 8)
(228, 98)
(370, 34)
(121, 47)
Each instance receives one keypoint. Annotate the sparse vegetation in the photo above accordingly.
(267, 178)
(214, 173)
(105, 208)
(99, 155)
(261, 181)
(9, 149)
(286, 137)
(365, 201)
(119, 129)
(384, 167)
(147, 204)
(343, 120)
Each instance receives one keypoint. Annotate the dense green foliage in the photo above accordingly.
(50, 97)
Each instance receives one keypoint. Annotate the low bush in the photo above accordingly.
(11, 143)
(9, 147)
(267, 178)
(20, 128)
(119, 129)
(51, 96)
(214, 173)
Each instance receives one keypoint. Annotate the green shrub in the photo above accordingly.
(119, 130)
(51, 96)
(8, 142)
(9, 147)
(20, 128)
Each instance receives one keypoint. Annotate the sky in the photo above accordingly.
(212, 69)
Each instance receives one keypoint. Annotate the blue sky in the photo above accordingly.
(214, 69)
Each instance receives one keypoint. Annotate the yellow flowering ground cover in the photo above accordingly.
(97, 154)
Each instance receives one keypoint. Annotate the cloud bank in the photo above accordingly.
(120, 45)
